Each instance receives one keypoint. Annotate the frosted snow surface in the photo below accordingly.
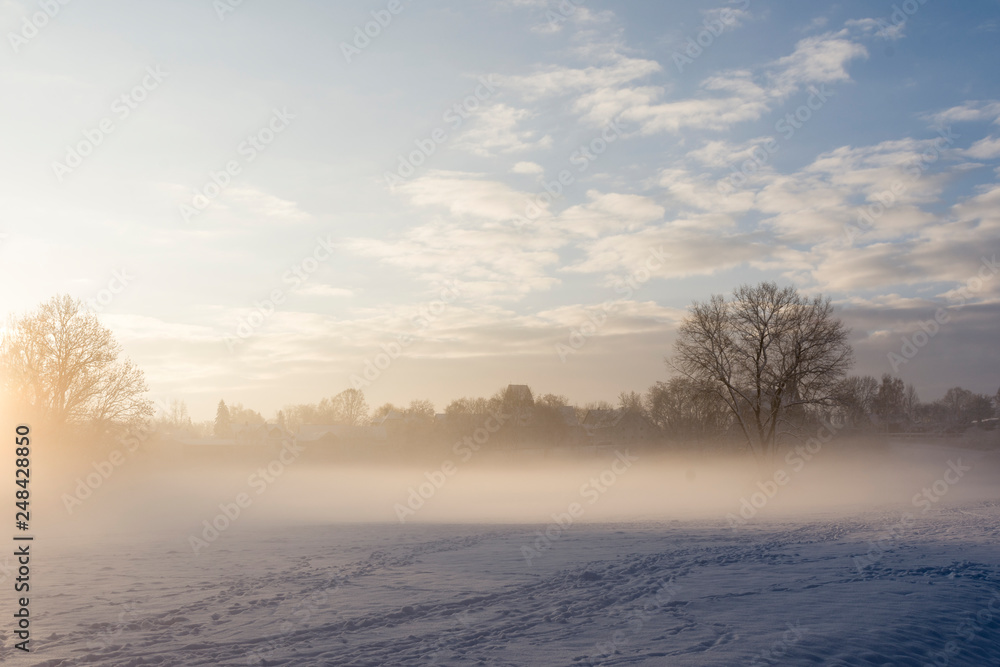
(867, 587)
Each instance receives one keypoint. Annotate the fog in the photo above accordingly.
(618, 486)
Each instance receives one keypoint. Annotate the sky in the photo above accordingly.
(269, 203)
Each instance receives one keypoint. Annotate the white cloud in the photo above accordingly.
(495, 130)
(968, 112)
(681, 249)
(818, 59)
(527, 168)
(725, 99)
(130, 327)
(557, 80)
(470, 237)
(987, 148)
(878, 27)
(611, 212)
(240, 205)
(467, 195)
(700, 191)
(315, 289)
(730, 17)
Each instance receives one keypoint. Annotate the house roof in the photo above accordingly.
(568, 414)
(392, 416)
(601, 418)
(519, 393)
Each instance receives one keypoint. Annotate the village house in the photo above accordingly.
(260, 434)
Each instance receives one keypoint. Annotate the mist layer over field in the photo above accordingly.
(528, 561)
(615, 485)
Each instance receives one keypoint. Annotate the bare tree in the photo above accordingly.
(420, 409)
(350, 407)
(684, 409)
(631, 401)
(240, 415)
(177, 413)
(911, 400)
(60, 364)
(890, 401)
(467, 405)
(764, 353)
(963, 406)
(857, 395)
(383, 410)
(552, 401)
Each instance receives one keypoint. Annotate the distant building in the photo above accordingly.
(568, 414)
(518, 395)
(261, 434)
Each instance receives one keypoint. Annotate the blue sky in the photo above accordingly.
(728, 143)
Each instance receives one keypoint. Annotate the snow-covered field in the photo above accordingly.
(900, 583)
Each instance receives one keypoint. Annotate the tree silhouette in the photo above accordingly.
(350, 407)
(61, 366)
(764, 353)
(890, 400)
(223, 422)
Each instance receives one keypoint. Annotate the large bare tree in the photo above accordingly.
(764, 352)
(351, 407)
(61, 366)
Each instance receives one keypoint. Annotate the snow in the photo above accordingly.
(825, 586)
